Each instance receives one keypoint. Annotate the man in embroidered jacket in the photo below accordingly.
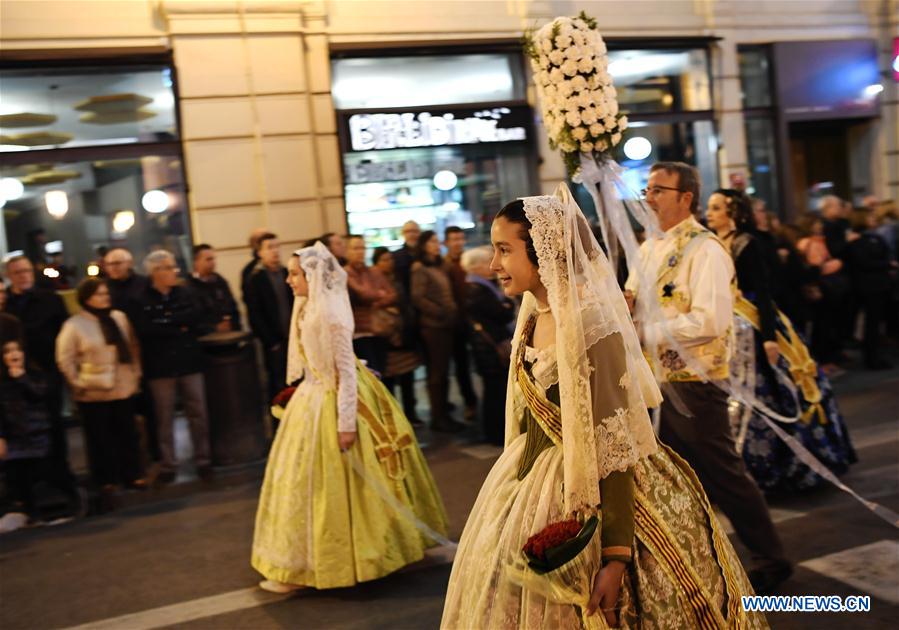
(694, 285)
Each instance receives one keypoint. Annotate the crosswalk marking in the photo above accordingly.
(870, 568)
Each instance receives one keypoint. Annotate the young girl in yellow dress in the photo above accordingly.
(347, 495)
(579, 442)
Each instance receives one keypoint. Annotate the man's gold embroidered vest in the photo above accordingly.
(711, 357)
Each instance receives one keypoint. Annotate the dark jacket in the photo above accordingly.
(432, 295)
(754, 281)
(168, 327)
(245, 274)
(402, 265)
(42, 314)
(485, 310)
(24, 415)
(868, 260)
(262, 306)
(218, 302)
(125, 292)
(835, 236)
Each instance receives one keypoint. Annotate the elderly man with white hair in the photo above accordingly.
(169, 320)
(124, 283)
(491, 317)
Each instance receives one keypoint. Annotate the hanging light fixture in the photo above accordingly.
(11, 188)
(123, 221)
(57, 202)
(93, 270)
(155, 201)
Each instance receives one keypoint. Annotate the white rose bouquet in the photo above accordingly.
(577, 98)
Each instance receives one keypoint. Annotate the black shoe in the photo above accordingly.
(765, 580)
(205, 472)
(450, 426)
(165, 477)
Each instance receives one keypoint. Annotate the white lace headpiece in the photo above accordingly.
(587, 305)
(326, 307)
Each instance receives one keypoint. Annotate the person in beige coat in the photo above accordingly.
(98, 353)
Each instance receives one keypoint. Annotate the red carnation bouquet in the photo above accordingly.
(279, 402)
(559, 563)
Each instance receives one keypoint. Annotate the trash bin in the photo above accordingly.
(233, 398)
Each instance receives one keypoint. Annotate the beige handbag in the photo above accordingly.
(92, 376)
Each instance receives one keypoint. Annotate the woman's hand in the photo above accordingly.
(772, 352)
(346, 439)
(606, 587)
(3, 449)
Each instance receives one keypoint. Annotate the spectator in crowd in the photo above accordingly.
(888, 215)
(491, 317)
(869, 263)
(213, 291)
(405, 256)
(336, 244)
(248, 268)
(454, 241)
(26, 432)
(269, 304)
(838, 233)
(832, 291)
(125, 285)
(42, 313)
(98, 353)
(402, 353)
(432, 295)
(2, 294)
(126, 288)
(375, 314)
(169, 318)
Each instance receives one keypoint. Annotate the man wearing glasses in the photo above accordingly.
(693, 274)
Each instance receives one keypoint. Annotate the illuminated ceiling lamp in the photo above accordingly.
(11, 188)
(123, 221)
(57, 202)
(155, 201)
(445, 180)
(637, 148)
(93, 270)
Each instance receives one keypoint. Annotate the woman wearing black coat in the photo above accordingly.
(491, 316)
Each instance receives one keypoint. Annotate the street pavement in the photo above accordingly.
(180, 558)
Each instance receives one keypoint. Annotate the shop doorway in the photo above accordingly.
(820, 161)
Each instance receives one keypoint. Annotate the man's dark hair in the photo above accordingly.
(687, 179)
(265, 237)
(202, 247)
(377, 253)
(453, 229)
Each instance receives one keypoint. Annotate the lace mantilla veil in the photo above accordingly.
(587, 306)
(318, 319)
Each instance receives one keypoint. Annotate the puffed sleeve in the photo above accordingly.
(345, 362)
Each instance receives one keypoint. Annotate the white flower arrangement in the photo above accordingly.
(577, 98)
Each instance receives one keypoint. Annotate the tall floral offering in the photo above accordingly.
(577, 96)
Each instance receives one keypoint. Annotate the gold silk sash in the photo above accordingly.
(547, 414)
(389, 444)
(802, 366)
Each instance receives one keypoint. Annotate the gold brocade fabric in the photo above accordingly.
(684, 574)
(319, 523)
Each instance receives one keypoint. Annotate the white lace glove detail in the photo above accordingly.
(345, 361)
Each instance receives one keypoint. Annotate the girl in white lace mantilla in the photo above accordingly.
(347, 492)
(579, 440)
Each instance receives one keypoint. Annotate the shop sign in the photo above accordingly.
(377, 131)
(399, 170)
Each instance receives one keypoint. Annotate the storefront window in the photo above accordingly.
(755, 76)
(90, 160)
(426, 80)
(762, 154)
(446, 143)
(661, 80)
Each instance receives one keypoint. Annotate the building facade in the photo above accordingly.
(284, 113)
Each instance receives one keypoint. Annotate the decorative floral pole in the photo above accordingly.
(577, 96)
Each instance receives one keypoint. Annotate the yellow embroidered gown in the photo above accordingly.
(321, 523)
(684, 573)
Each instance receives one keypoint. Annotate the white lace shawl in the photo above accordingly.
(604, 393)
(321, 333)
